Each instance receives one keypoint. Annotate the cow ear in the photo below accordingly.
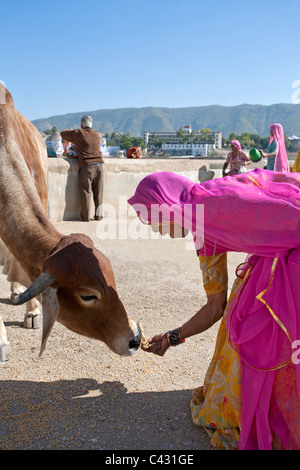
(50, 313)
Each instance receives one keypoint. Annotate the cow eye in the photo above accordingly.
(88, 298)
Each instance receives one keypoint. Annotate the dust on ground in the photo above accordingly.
(79, 394)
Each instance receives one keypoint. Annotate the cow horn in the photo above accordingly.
(38, 286)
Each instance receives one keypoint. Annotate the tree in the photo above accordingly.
(288, 143)
(248, 140)
(111, 143)
(193, 136)
(233, 136)
(156, 142)
(245, 139)
(125, 142)
(180, 134)
(204, 131)
(138, 142)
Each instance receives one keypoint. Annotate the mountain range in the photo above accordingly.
(255, 119)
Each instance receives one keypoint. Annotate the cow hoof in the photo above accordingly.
(5, 352)
(33, 322)
(13, 297)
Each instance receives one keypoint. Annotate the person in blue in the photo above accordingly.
(276, 155)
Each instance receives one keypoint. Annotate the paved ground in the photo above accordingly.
(79, 395)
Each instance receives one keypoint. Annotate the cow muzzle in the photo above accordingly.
(127, 345)
(135, 342)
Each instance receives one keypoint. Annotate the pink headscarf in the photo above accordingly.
(255, 212)
(236, 144)
(258, 213)
(281, 160)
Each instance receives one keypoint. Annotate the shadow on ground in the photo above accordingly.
(85, 414)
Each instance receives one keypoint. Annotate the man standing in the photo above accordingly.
(87, 142)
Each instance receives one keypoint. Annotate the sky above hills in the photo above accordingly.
(74, 56)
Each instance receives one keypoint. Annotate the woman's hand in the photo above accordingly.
(158, 344)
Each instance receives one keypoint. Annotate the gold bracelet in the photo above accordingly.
(174, 337)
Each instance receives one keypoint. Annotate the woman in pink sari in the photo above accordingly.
(250, 398)
(277, 154)
(237, 159)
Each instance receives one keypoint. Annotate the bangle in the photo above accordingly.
(174, 337)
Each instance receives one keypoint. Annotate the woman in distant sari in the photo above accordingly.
(276, 155)
(250, 396)
(237, 160)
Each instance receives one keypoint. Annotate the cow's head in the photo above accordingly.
(78, 290)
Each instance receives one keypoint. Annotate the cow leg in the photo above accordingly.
(4, 344)
(15, 290)
(33, 317)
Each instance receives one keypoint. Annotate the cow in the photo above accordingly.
(73, 281)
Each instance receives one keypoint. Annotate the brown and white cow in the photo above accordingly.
(73, 280)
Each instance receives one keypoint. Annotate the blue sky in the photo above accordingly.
(67, 56)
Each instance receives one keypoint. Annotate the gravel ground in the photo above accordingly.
(80, 395)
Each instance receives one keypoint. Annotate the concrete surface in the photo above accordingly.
(80, 395)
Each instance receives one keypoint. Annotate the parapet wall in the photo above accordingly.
(121, 176)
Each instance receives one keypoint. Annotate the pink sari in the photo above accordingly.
(257, 213)
(281, 160)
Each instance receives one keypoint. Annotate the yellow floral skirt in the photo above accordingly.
(216, 405)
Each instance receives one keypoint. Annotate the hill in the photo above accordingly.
(255, 119)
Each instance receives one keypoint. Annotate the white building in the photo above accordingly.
(109, 151)
(295, 143)
(54, 145)
(195, 150)
(189, 138)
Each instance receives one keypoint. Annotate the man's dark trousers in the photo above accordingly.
(91, 182)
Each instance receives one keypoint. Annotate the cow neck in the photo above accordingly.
(31, 243)
(27, 231)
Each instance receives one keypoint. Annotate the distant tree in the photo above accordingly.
(180, 134)
(138, 142)
(288, 143)
(225, 142)
(248, 140)
(156, 142)
(245, 139)
(54, 130)
(264, 142)
(111, 143)
(233, 136)
(125, 142)
(193, 136)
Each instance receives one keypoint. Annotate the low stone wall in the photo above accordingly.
(121, 177)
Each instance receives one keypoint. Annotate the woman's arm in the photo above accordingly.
(224, 168)
(206, 317)
(268, 155)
